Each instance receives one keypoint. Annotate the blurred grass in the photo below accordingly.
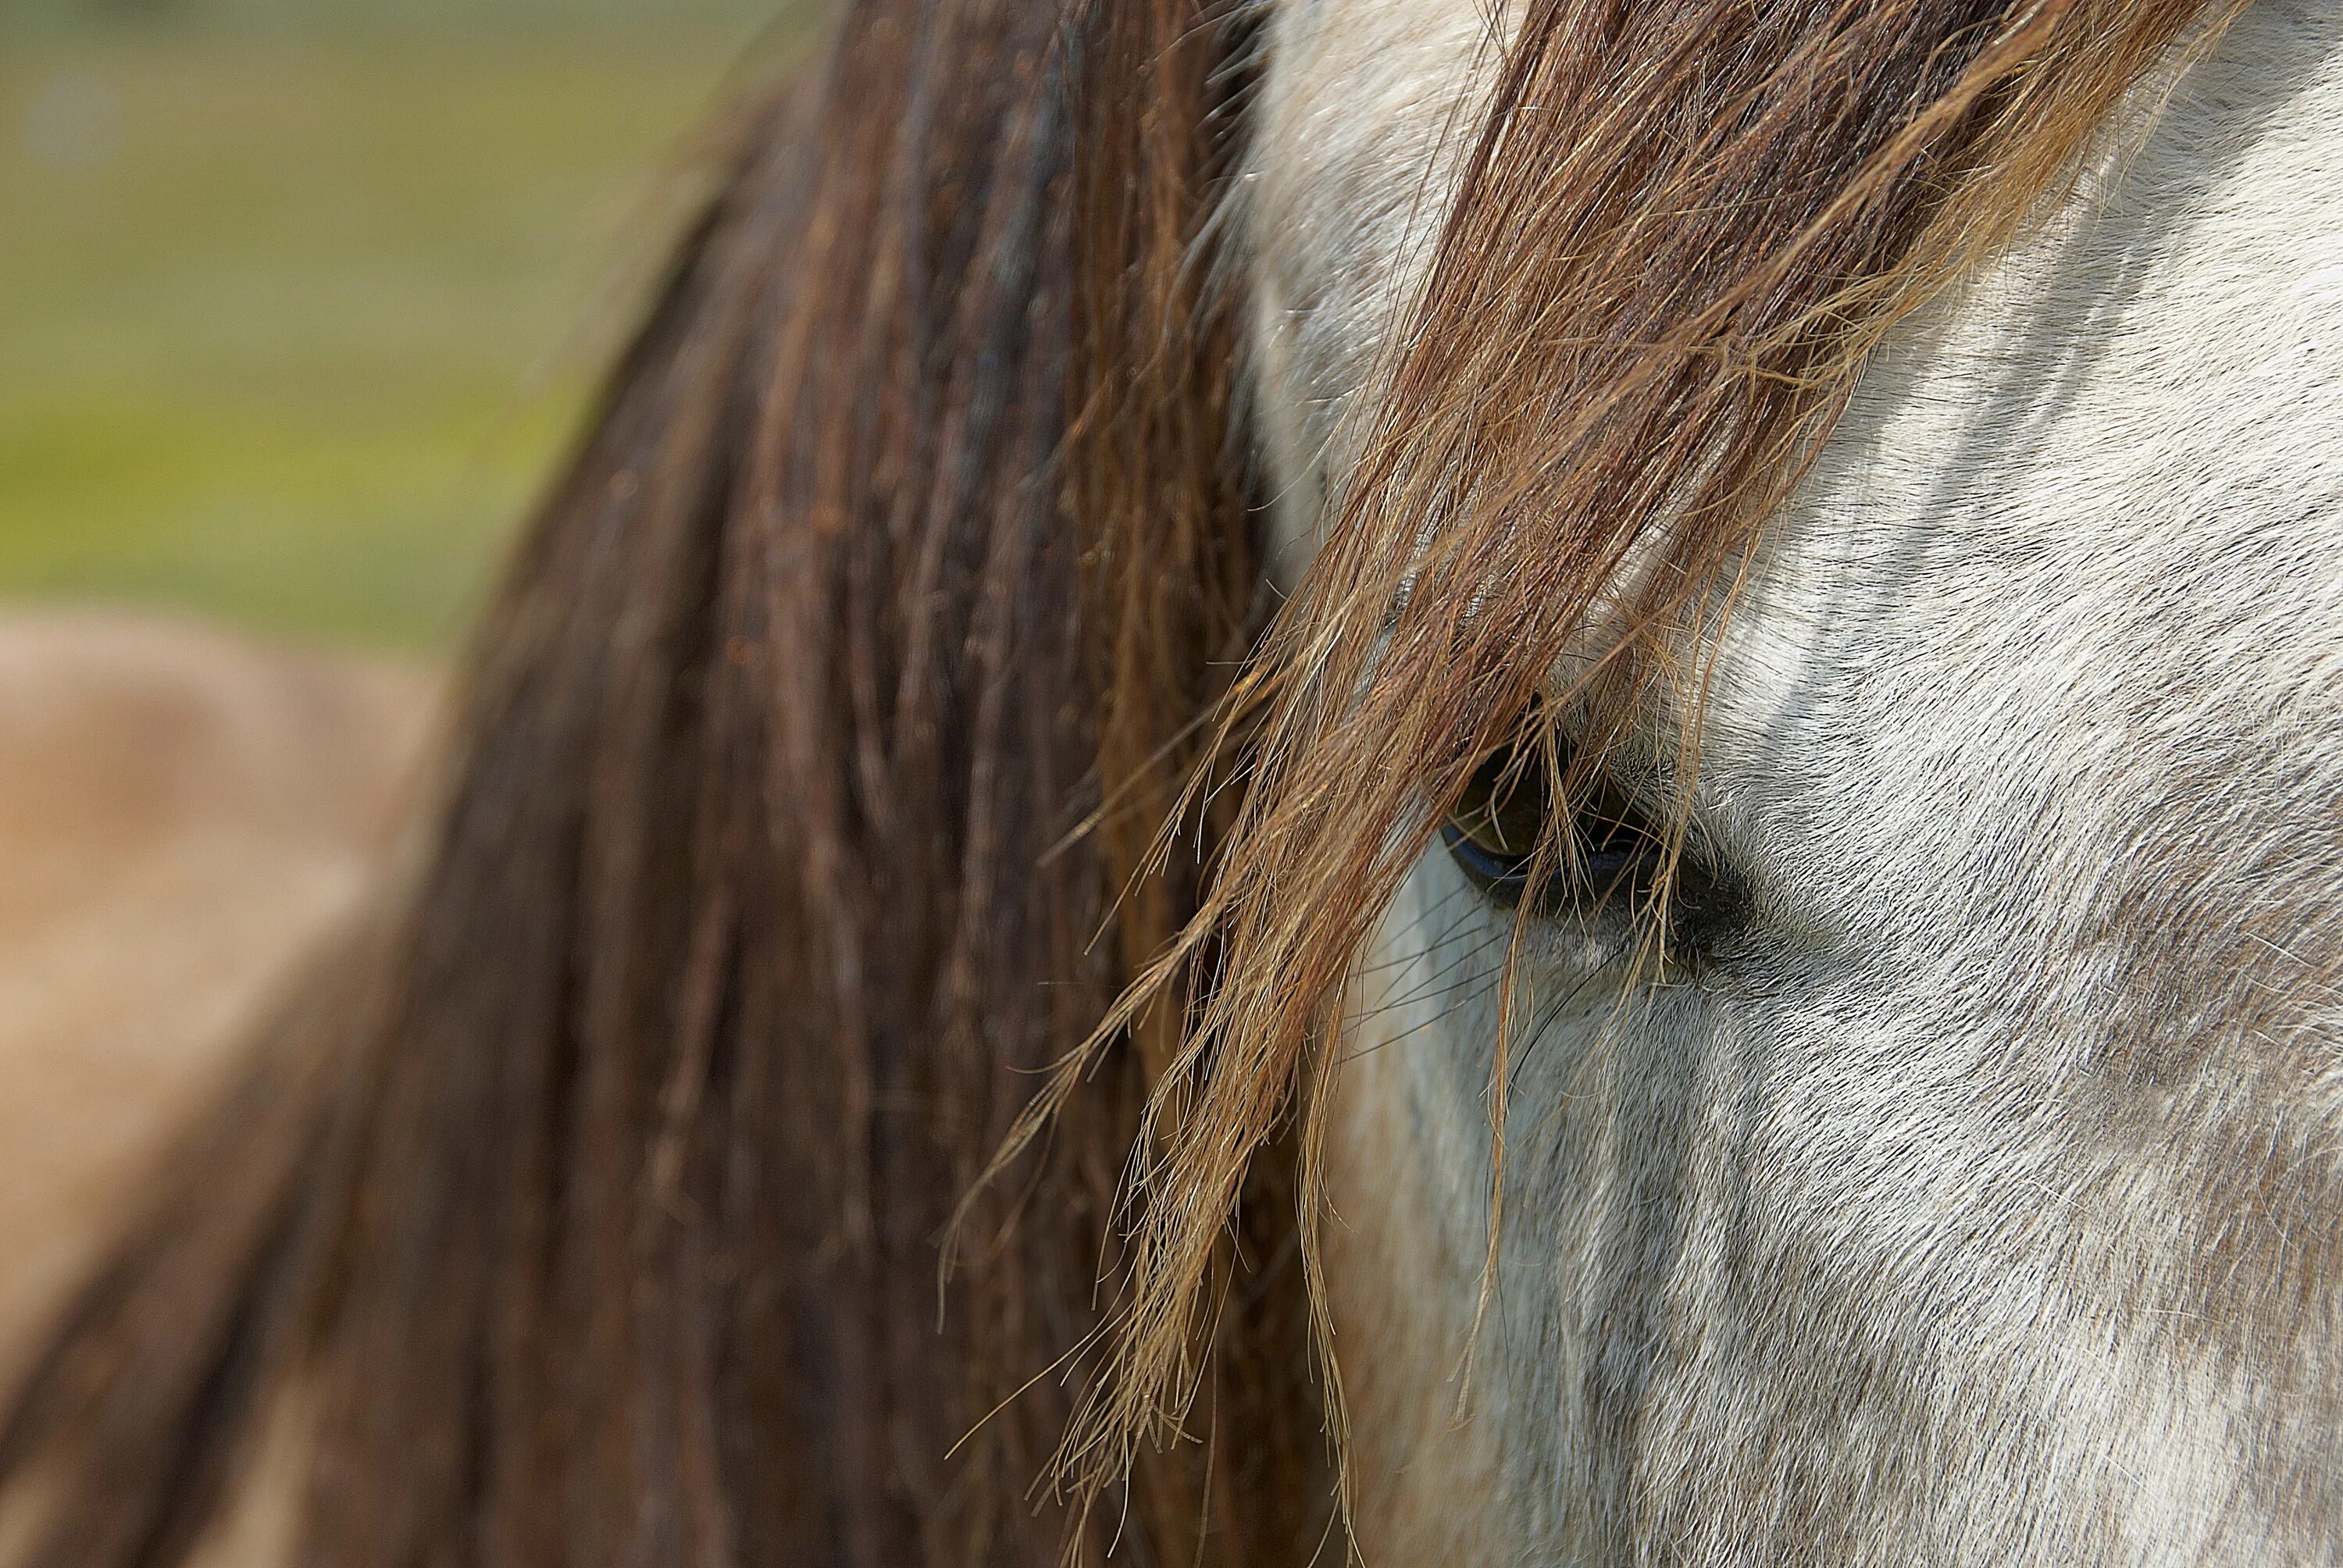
(293, 320)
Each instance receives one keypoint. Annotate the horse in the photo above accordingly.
(1544, 784)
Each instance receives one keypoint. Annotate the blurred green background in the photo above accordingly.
(300, 298)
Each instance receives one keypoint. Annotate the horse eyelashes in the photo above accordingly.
(1498, 827)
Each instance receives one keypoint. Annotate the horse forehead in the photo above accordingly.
(2092, 496)
(1363, 114)
(2082, 523)
(1365, 107)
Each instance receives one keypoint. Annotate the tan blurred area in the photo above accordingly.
(184, 811)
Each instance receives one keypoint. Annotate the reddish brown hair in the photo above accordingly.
(813, 785)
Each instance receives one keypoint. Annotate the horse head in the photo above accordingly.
(1539, 784)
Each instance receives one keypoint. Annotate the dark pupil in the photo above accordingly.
(1505, 807)
(1495, 831)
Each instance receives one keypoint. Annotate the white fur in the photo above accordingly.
(1979, 1202)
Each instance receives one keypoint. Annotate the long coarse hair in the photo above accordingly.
(820, 1053)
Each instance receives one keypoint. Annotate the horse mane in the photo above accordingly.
(816, 828)
(590, 1202)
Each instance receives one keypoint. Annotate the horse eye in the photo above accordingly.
(1492, 834)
